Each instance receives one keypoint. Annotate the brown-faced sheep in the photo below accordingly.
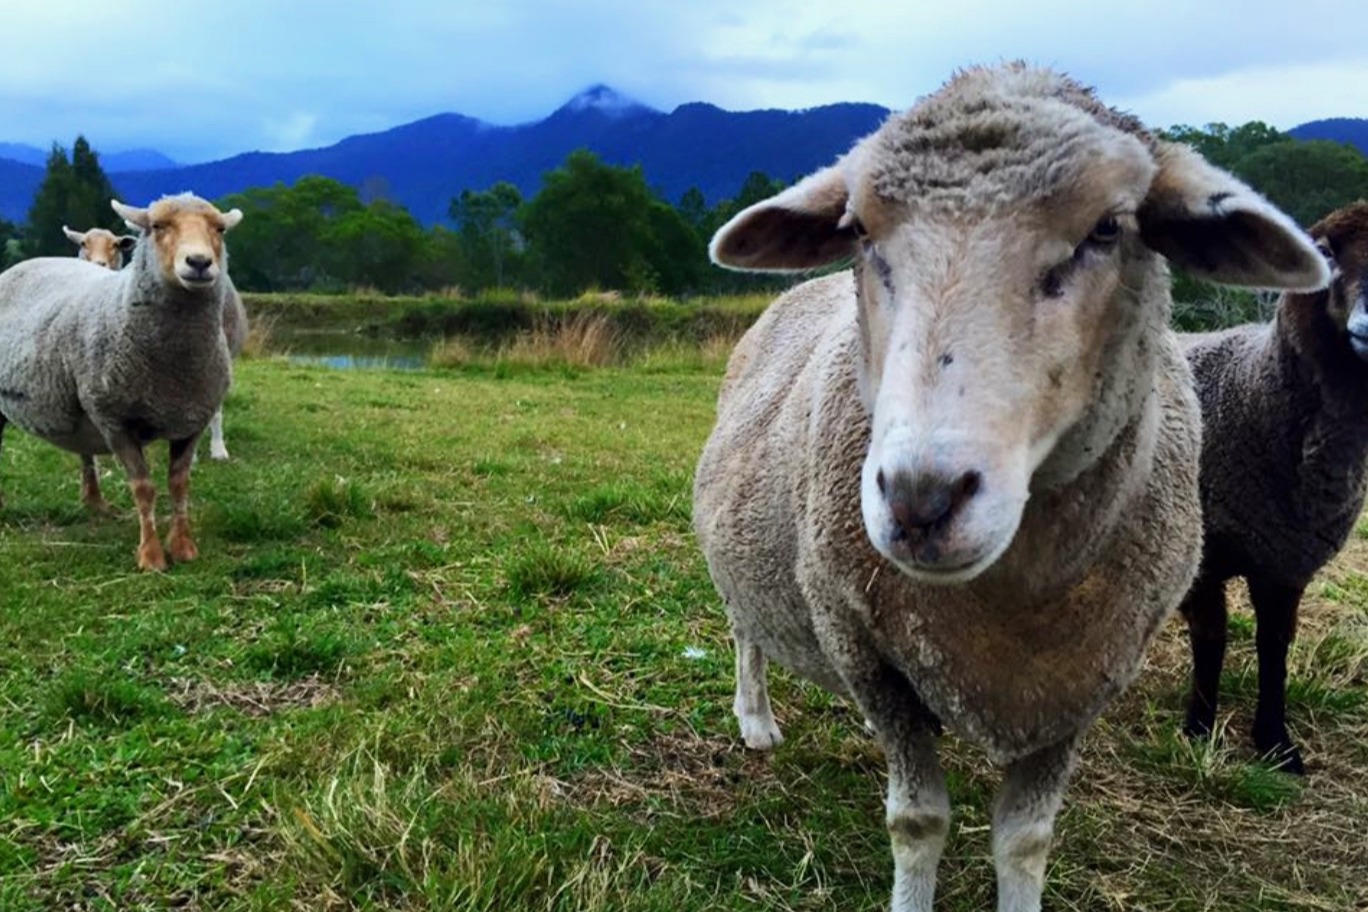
(104, 248)
(101, 247)
(96, 361)
(960, 483)
(1284, 464)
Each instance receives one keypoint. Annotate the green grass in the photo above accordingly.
(450, 645)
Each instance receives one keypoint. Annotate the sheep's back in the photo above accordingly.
(1266, 505)
(49, 308)
(235, 326)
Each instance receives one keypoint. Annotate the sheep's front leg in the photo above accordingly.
(1275, 614)
(218, 450)
(178, 540)
(91, 495)
(752, 703)
(1023, 824)
(918, 805)
(130, 454)
(918, 814)
(1204, 608)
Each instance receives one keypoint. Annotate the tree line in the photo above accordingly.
(591, 225)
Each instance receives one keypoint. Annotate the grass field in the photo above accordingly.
(450, 645)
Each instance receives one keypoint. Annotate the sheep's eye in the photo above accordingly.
(1106, 232)
(1052, 285)
(159, 226)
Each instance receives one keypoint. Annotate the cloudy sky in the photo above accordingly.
(202, 81)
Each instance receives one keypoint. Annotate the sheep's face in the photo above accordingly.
(186, 234)
(982, 340)
(100, 247)
(1007, 279)
(1342, 238)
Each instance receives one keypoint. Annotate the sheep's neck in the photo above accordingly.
(173, 325)
(1063, 529)
(1328, 389)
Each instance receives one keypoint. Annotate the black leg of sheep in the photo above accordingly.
(1205, 612)
(1275, 613)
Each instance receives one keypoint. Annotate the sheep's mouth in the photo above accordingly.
(195, 280)
(1359, 343)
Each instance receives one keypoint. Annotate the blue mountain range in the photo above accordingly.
(423, 164)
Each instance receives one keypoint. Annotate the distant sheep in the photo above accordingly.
(960, 484)
(101, 247)
(96, 361)
(235, 333)
(1284, 468)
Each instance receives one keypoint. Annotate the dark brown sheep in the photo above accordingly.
(1284, 464)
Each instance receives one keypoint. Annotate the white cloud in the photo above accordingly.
(229, 77)
(1281, 96)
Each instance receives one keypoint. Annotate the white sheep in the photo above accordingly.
(960, 484)
(101, 247)
(235, 333)
(96, 361)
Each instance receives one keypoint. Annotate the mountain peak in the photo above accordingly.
(604, 99)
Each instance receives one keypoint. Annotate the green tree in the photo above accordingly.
(11, 244)
(693, 208)
(1224, 145)
(1306, 179)
(74, 192)
(595, 224)
(283, 242)
(486, 224)
(379, 245)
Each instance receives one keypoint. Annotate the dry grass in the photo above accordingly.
(259, 335)
(455, 352)
(584, 339)
(254, 698)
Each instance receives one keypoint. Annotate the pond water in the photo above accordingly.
(349, 350)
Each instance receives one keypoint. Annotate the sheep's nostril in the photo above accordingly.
(881, 482)
(924, 503)
(199, 262)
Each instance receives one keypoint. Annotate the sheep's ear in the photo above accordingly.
(127, 242)
(231, 218)
(76, 237)
(1212, 225)
(132, 215)
(799, 228)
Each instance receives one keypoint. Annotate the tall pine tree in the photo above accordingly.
(74, 192)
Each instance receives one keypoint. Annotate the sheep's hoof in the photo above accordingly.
(98, 506)
(760, 732)
(182, 549)
(1199, 726)
(151, 557)
(219, 454)
(1283, 756)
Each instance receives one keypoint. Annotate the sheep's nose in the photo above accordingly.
(921, 502)
(199, 262)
